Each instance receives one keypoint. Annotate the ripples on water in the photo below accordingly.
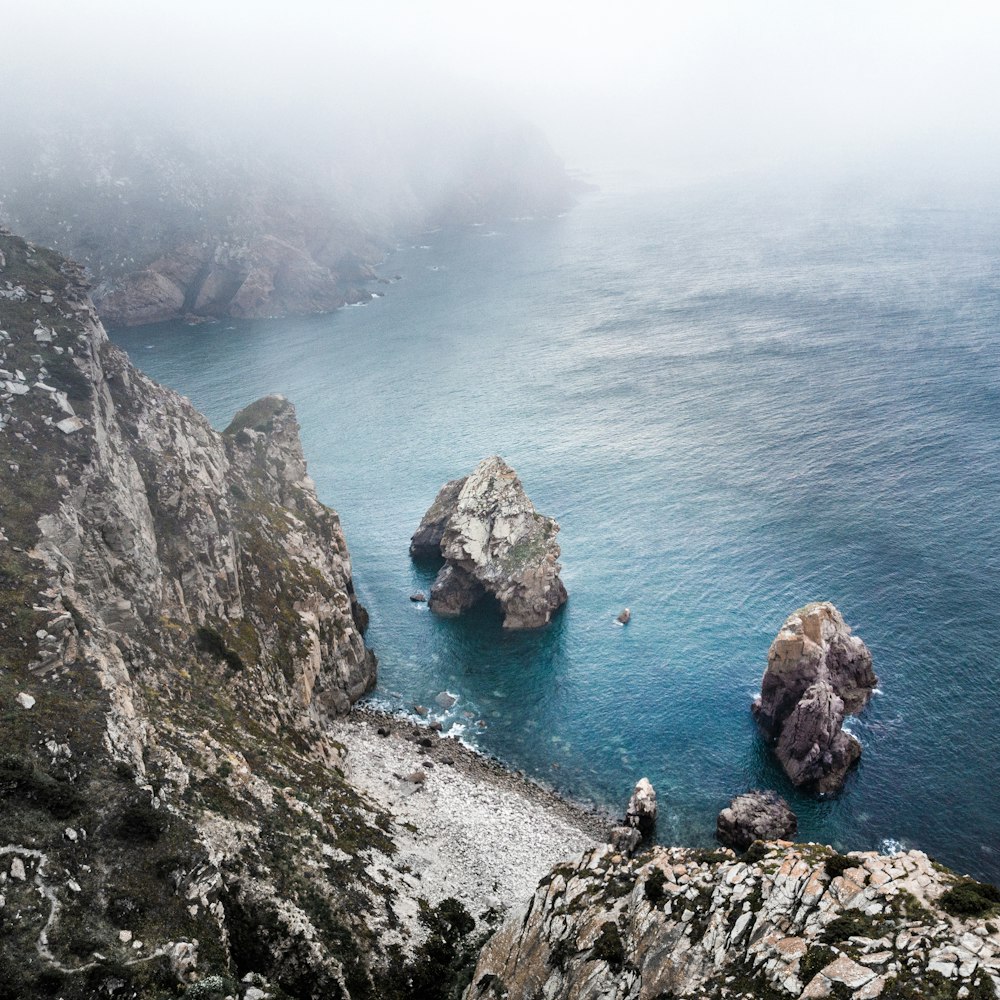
(733, 406)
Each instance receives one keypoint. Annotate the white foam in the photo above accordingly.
(889, 845)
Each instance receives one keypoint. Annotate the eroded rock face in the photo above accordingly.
(493, 542)
(799, 922)
(817, 672)
(756, 815)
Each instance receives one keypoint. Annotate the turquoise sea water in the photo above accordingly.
(733, 404)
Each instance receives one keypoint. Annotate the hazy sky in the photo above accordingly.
(685, 88)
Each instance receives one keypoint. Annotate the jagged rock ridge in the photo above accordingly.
(817, 672)
(493, 542)
(793, 921)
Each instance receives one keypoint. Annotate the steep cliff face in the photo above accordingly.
(785, 921)
(176, 617)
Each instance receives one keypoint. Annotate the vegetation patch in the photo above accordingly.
(848, 925)
(28, 782)
(969, 898)
(813, 960)
(442, 967)
(608, 946)
(653, 889)
(837, 864)
(211, 642)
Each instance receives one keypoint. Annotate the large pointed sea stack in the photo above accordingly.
(817, 672)
(493, 542)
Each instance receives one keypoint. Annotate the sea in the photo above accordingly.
(735, 399)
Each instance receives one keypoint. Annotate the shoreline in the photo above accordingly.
(465, 825)
(477, 763)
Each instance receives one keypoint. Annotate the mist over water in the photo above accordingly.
(734, 402)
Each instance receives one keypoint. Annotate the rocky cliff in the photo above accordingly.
(177, 620)
(179, 221)
(784, 921)
(177, 617)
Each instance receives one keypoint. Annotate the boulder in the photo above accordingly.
(493, 542)
(641, 810)
(817, 672)
(756, 815)
(624, 839)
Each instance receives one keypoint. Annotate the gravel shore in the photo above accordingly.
(466, 826)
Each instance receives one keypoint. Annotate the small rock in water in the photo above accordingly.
(624, 617)
(641, 810)
(25, 700)
(419, 597)
(421, 711)
(446, 700)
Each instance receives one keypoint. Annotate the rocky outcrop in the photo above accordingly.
(493, 542)
(817, 672)
(798, 921)
(756, 815)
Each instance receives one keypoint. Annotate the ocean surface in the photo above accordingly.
(734, 402)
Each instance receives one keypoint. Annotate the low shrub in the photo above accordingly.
(969, 898)
(608, 946)
(653, 887)
(837, 864)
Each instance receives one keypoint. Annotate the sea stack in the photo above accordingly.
(493, 542)
(817, 672)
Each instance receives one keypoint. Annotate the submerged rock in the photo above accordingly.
(493, 542)
(756, 815)
(817, 672)
(625, 617)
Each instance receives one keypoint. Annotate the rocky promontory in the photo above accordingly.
(493, 542)
(817, 673)
(792, 921)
